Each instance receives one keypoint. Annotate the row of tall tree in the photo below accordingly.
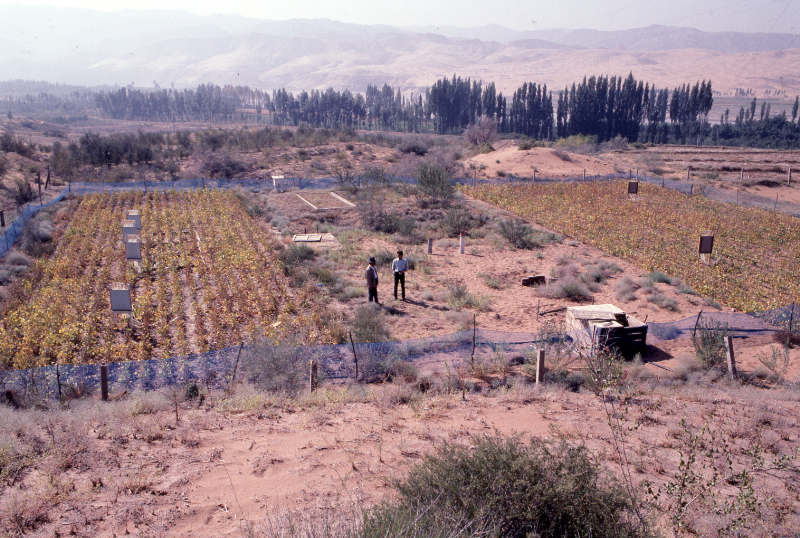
(602, 107)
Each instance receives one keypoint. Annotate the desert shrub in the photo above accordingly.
(458, 297)
(502, 487)
(662, 301)
(223, 166)
(18, 258)
(625, 289)
(23, 193)
(368, 325)
(562, 154)
(403, 370)
(294, 255)
(274, 366)
(375, 218)
(516, 232)
(347, 181)
(708, 340)
(658, 276)
(435, 182)
(376, 175)
(415, 146)
(526, 143)
(599, 271)
(565, 288)
(790, 339)
(491, 281)
(457, 220)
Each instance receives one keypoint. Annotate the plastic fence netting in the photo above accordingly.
(15, 230)
(260, 364)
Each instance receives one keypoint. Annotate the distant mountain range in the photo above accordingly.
(83, 47)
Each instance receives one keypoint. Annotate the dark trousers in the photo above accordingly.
(401, 278)
(373, 294)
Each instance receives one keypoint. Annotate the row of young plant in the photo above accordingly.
(754, 263)
(208, 278)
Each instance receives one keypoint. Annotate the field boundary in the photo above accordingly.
(221, 368)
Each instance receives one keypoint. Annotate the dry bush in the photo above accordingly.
(625, 289)
(565, 288)
(562, 154)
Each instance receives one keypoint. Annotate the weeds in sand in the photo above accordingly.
(708, 339)
(777, 361)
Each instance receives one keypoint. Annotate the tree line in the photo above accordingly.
(601, 107)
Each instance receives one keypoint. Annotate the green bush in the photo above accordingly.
(457, 221)
(368, 325)
(294, 255)
(708, 340)
(501, 487)
(516, 232)
(435, 182)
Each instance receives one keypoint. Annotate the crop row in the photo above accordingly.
(208, 279)
(756, 260)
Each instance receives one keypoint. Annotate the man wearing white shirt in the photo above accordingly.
(399, 268)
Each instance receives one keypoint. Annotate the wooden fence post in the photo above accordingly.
(104, 382)
(540, 367)
(430, 246)
(313, 377)
(355, 357)
(731, 359)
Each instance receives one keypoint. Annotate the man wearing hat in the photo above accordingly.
(399, 268)
(372, 281)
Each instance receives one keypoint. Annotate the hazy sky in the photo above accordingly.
(782, 16)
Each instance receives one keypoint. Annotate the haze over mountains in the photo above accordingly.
(84, 47)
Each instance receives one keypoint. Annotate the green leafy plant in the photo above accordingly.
(708, 339)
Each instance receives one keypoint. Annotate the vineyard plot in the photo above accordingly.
(756, 260)
(208, 278)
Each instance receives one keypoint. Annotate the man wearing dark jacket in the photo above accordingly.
(372, 281)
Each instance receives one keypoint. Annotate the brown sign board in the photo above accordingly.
(633, 187)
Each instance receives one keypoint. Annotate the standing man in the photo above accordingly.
(372, 281)
(399, 267)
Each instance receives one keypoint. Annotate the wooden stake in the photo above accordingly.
(540, 367)
(696, 323)
(58, 381)
(2, 218)
(730, 356)
(474, 334)
(355, 357)
(430, 246)
(104, 382)
(775, 207)
(791, 317)
(312, 378)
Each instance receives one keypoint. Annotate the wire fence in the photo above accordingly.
(16, 229)
(365, 362)
(217, 369)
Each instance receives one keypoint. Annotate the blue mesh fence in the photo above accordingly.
(15, 230)
(259, 364)
(217, 368)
